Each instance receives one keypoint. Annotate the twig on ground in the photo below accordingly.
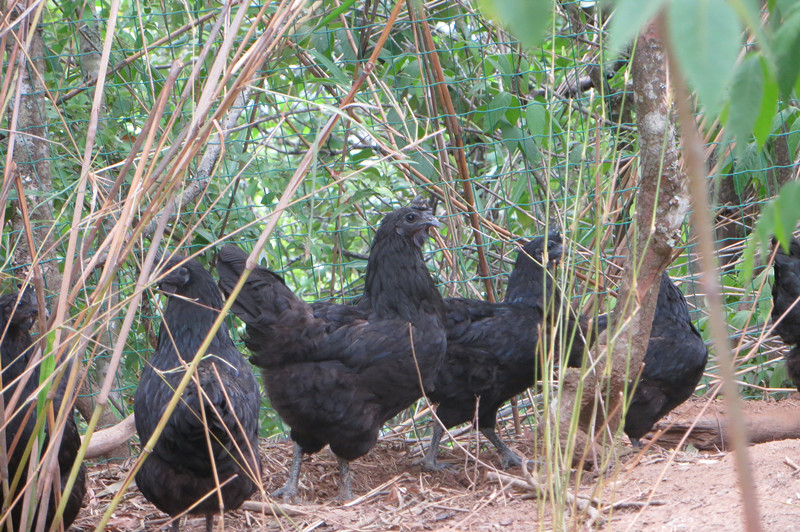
(374, 491)
(583, 504)
(271, 508)
(788, 461)
(634, 504)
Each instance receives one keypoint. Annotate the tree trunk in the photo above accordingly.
(32, 159)
(31, 156)
(661, 206)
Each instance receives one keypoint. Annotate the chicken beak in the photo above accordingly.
(423, 233)
(430, 221)
(554, 255)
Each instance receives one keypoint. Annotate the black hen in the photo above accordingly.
(219, 408)
(17, 315)
(336, 373)
(793, 366)
(673, 364)
(785, 294)
(492, 350)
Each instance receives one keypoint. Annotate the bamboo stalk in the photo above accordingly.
(138, 55)
(457, 137)
(701, 217)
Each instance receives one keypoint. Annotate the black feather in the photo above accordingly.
(179, 472)
(336, 373)
(16, 319)
(673, 364)
(785, 293)
(793, 366)
(492, 348)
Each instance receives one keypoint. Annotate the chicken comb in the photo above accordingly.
(420, 203)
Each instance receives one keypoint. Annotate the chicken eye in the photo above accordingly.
(411, 217)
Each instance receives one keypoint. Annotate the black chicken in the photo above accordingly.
(673, 364)
(793, 366)
(492, 350)
(219, 408)
(785, 293)
(17, 315)
(336, 373)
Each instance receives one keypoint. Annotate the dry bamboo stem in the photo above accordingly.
(461, 159)
(695, 164)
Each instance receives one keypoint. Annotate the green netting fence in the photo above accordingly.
(549, 142)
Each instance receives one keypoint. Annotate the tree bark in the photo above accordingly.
(32, 157)
(661, 207)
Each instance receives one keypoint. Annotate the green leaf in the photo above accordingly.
(747, 90)
(496, 111)
(513, 135)
(341, 8)
(739, 319)
(786, 212)
(531, 150)
(793, 138)
(512, 111)
(763, 126)
(526, 19)
(778, 217)
(706, 37)
(629, 18)
(786, 6)
(331, 68)
(48, 366)
(787, 50)
(778, 377)
(423, 164)
(536, 116)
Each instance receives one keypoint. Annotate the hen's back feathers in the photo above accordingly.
(785, 292)
(220, 405)
(17, 316)
(673, 364)
(492, 350)
(336, 373)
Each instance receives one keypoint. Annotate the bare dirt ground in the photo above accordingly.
(687, 490)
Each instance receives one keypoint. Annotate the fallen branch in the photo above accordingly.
(271, 508)
(106, 440)
(583, 504)
(375, 491)
(788, 461)
(635, 504)
(712, 433)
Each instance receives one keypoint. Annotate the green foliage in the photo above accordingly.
(778, 218)
(787, 49)
(754, 95)
(706, 38)
(629, 18)
(540, 147)
(527, 19)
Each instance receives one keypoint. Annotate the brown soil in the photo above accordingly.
(687, 490)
